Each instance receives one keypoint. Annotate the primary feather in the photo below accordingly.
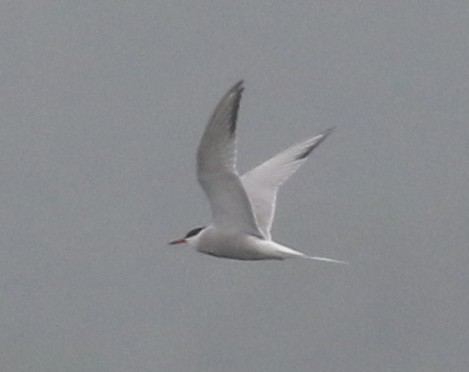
(216, 168)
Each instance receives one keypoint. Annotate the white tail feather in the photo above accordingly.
(324, 259)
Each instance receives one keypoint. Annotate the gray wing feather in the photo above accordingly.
(216, 168)
(263, 182)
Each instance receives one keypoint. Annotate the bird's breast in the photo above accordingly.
(236, 246)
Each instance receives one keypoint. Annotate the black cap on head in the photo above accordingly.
(194, 232)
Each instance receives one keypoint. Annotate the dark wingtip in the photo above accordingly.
(237, 89)
(329, 131)
(310, 148)
(238, 86)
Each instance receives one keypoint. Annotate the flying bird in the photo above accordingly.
(242, 207)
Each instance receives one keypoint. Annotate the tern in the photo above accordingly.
(242, 207)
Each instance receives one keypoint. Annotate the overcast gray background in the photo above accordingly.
(102, 106)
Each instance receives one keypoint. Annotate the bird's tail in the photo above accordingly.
(285, 252)
(324, 259)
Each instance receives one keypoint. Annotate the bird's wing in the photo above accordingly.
(262, 182)
(216, 168)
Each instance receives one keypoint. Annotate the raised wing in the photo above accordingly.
(263, 182)
(216, 168)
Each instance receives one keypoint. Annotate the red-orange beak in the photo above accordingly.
(178, 241)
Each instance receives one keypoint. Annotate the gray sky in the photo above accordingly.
(103, 104)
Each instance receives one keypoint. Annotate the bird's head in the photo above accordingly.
(190, 237)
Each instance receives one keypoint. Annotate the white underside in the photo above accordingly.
(238, 246)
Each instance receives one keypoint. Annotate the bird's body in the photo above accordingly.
(242, 207)
(226, 244)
